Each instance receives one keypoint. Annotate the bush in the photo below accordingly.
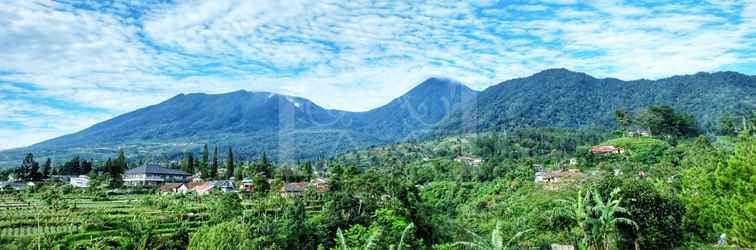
(228, 235)
(659, 216)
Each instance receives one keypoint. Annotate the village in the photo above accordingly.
(175, 181)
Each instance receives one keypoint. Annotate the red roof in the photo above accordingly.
(294, 187)
(606, 149)
(170, 186)
(191, 185)
(202, 186)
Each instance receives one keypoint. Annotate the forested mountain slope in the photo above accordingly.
(562, 98)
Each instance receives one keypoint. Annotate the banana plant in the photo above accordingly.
(495, 242)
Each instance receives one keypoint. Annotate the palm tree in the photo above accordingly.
(496, 242)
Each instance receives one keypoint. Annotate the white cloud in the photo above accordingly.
(353, 55)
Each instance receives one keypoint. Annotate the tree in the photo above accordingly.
(86, 166)
(47, 168)
(664, 121)
(72, 167)
(225, 206)
(118, 167)
(727, 125)
(230, 163)
(188, 163)
(264, 167)
(623, 118)
(307, 170)
(658, 216)
(214, 167)
(735, 180)
(261, 183)
(29, 168)
(204, 163)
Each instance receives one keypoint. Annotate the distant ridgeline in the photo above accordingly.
(291, 128)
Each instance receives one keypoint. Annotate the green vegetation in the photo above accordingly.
(523, 189)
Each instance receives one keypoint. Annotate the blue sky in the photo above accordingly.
(65, 65)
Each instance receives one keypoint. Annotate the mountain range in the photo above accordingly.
(288, 127)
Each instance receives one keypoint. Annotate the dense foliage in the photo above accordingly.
(521, 189)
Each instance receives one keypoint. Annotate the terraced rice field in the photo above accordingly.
(24, 218)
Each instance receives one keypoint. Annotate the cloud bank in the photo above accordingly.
(65, 65)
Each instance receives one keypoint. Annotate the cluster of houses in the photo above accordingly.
(469, 160)
(200, 188)
(177, 181)
(571, 175)
(14, 185)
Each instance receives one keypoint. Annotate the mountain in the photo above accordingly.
(419, 110)
(290, 127)
(254, 122)
(202, 115)
(563, 98)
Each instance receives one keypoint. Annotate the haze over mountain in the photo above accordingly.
(292, 127)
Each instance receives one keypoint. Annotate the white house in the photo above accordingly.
(168, 188)
(153, 175)
(207, 187)
(81, 182)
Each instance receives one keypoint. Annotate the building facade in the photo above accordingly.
(153, 175)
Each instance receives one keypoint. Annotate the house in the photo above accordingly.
(320, 185)
(247, 184)
(208, 187)
(538, 168)
(153, 175)
(192, 185)
(469, 160)
(295, 189)
(173, 188)
(224, 186)
(639, 133)
(607, 150)
(81, 182)
(572, 161)
(202, 188)
(61, 178)
(195, 178)
(562, 247)
(292, 189)
(15, 185)
(557, 176)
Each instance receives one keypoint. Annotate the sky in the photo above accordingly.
(66, 65)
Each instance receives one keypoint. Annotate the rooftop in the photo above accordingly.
(156, 169)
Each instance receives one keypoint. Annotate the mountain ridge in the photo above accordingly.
(535, 100)
(254, 121)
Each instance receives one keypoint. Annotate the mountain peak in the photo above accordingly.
(558, 72)
(437, 85)
(439, 81)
